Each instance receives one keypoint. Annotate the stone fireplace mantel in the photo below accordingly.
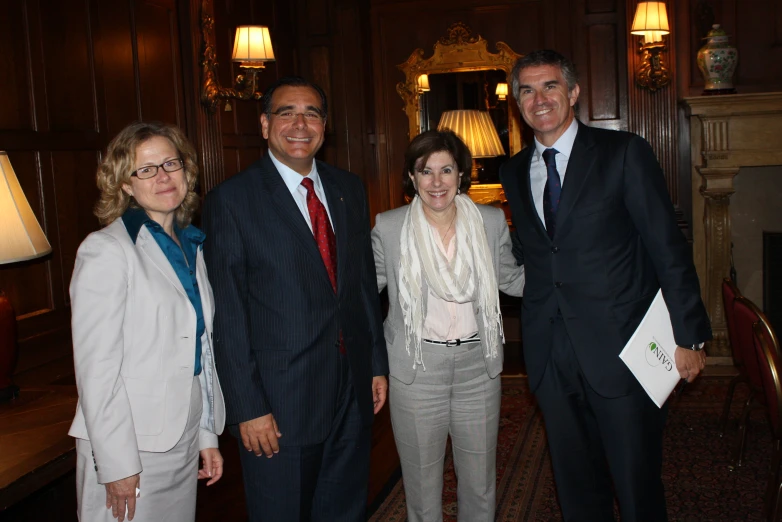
(726, 133)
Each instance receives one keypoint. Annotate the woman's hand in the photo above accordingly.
(120, 492)
(212, 465)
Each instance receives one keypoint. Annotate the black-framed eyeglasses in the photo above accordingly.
(150, 171)
(309, 116)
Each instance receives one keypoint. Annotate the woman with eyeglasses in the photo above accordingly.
(149, 398)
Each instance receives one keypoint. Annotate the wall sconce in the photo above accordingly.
(21, 239)
(651, 21)
(502, 91)
(252, 49)
(423, 83)
(477, 131)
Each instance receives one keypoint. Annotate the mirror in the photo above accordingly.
(463, 74)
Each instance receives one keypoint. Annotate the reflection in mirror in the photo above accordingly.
(473, 90)
(467, 74)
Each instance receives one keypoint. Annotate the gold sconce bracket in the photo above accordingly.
(211, 91)
(652, 74)
(252, 48)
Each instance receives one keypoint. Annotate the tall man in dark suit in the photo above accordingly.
(298, 331)
(597, 234)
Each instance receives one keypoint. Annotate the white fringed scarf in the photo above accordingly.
(468, 277)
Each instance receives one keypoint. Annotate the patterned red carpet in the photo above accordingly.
(698, 484)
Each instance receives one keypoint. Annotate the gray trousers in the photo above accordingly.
(168, 480)
(453, 396)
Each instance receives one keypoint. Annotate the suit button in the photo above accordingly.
(551, 320)
(558, 284)
(554, 249)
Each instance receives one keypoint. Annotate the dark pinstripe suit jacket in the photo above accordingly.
(277, 318)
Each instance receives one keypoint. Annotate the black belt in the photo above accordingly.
(456, 342)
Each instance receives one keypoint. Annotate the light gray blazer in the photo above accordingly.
(134, 351)
(385, 244)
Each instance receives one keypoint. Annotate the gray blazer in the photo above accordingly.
(385, 244)
(134, 352)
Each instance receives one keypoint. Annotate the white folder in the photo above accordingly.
(649, 352)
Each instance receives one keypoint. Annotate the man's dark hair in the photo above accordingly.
(426, 144)
(544, 57)
(293, 81)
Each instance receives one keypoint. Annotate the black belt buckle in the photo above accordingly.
(453, 342)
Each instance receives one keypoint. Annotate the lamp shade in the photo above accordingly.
(21, 237)
(650, 16)
(423, 83)
(502, 90)
(476, 130)
(253, 46)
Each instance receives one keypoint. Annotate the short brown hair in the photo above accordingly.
(426, 144)
(119, 162)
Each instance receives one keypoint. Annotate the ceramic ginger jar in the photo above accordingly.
(717, 61)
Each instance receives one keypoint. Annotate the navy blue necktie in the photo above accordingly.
(551, 192)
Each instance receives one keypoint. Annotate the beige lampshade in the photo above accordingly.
(477, 131)
(21, 237)
(423, 83)
(253, 46)
(651, 21)
(502, 90)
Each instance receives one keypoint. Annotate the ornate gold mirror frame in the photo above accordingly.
(460, 51)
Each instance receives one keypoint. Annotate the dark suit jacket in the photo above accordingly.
(278, 320)
(617, 242)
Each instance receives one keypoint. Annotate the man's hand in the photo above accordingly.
(212, 465)
(120, 492)
(379, 392)
(260, 435)
(689, 363)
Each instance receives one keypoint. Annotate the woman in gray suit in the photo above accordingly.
(443, 259)
(149, 397)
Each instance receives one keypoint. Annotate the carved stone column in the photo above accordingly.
(716, 189)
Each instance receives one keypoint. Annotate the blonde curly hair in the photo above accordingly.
(119, 163)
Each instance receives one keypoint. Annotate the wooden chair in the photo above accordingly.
(770, 367)
(729, 294)
(746, 314)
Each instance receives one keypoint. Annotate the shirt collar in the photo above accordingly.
(134, 218)
(292, 178)
(564, 144)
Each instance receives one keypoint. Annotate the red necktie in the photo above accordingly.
(321, 229)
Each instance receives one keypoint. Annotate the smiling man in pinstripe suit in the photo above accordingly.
(298, 334)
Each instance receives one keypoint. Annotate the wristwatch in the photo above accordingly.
(695, 347)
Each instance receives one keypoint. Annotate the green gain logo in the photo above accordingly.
(656, 356)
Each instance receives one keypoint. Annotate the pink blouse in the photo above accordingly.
(446, 320)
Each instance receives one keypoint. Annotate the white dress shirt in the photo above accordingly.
(537, 170)
(293, 179)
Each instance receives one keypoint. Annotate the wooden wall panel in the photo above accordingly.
(15, 111)
(604, 102)
(75, 72)
(159, 70)
(69, 67)
(73, 178)
(115, 52)
(599, 54)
